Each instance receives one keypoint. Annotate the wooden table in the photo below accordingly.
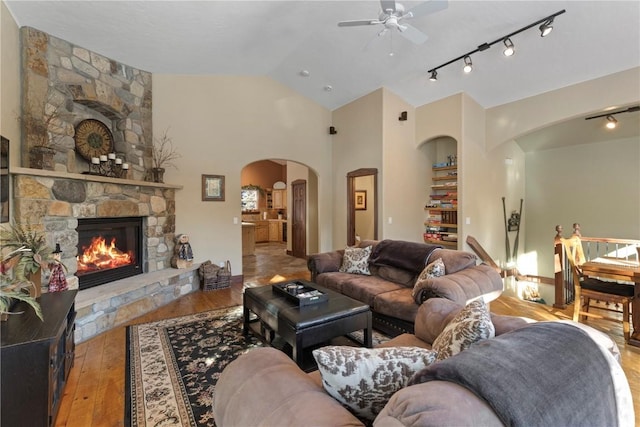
(619, 269)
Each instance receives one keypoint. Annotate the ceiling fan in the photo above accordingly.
(393, 14)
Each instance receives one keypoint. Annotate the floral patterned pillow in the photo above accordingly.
(470, 325)
(356, 261)
(364, 379)
(433, 269)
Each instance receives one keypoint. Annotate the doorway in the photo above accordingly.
(299, 219)
(362, 205)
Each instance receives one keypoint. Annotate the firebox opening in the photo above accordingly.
(109, 249)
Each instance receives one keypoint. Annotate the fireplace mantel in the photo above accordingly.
(87, 177)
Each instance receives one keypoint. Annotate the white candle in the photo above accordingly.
(103, 158)
(95, 160)
(118, 161)
(125, 166)
(112, 156)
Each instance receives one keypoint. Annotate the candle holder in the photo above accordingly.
(110, 166)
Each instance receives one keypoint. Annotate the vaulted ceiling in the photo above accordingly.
(282, 38)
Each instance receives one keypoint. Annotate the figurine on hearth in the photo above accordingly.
(182, 253)
(57, 280)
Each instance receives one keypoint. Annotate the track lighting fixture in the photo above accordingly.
(612, 123)
(545, 28)
(468, 65)
(508, 47)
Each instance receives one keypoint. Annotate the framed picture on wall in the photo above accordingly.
(213, 188)
(360, 197)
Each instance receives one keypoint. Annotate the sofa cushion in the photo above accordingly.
(362, 288)
(365, 379)
(393, 274)
(470, 325)
(409, 256)
(397, 303)
(356, 260)
(435, 268)
(454, 260)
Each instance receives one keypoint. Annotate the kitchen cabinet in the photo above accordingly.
(248, 238)
(275, 231)
(279, 199)
(36, 360)
(262, 231)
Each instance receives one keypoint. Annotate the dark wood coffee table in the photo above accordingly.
(303, 327)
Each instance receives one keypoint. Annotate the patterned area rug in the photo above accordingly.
(174, 364)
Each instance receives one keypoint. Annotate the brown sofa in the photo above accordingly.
(388, 290)
(266, 388)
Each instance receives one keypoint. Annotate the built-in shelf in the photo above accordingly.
(441, 226)
(88, 177)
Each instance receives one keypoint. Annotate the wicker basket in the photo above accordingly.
(214, 277)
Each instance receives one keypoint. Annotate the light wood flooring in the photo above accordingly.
(94, 395)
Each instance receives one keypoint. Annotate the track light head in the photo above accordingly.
(611, 122)
(546, 27)
(468, 65)
(509, 50)
(434, 76)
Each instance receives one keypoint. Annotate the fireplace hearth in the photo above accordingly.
(109, 249)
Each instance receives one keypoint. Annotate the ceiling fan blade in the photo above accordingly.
(357, 23)
(412, 34)
(427, 7)
(388, 6)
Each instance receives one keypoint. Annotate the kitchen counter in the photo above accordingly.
(248, 238)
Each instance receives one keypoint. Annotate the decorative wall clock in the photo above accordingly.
(93, 139)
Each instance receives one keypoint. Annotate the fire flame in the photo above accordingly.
(100, 256)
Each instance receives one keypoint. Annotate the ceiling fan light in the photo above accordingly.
(468, 65)
(434, 76)
(546, 27)
(509, 50)
(611, 122)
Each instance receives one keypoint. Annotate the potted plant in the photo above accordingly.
(34, 253)
(163, 154)
(13, 288)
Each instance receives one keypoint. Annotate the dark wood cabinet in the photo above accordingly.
(36, 358)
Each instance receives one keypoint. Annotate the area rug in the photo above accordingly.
(174, 364)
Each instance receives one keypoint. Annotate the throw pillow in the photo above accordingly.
(356, 260)
(471, 324)
(364, 379)
(433, 269)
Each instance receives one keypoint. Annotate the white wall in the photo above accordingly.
(222, 123)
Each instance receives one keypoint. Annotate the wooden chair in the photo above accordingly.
(588, 288)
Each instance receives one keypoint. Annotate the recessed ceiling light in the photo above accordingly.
(328, 88)
(304, 73)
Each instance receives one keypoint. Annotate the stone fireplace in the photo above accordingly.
(77, 84)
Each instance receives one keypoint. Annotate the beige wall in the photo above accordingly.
(601, 191)
(221, 124)
(357, 145)
(10, 82)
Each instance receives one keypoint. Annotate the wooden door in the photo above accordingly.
(299, 220)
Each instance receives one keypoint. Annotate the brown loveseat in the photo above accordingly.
(266, 388)
(394, 266)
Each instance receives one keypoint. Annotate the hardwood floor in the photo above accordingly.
(94, 395)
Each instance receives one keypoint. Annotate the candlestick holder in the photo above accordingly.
(109, 166)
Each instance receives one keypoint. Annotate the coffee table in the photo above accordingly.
(303, 327)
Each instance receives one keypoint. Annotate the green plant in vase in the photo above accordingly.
(33, 251)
